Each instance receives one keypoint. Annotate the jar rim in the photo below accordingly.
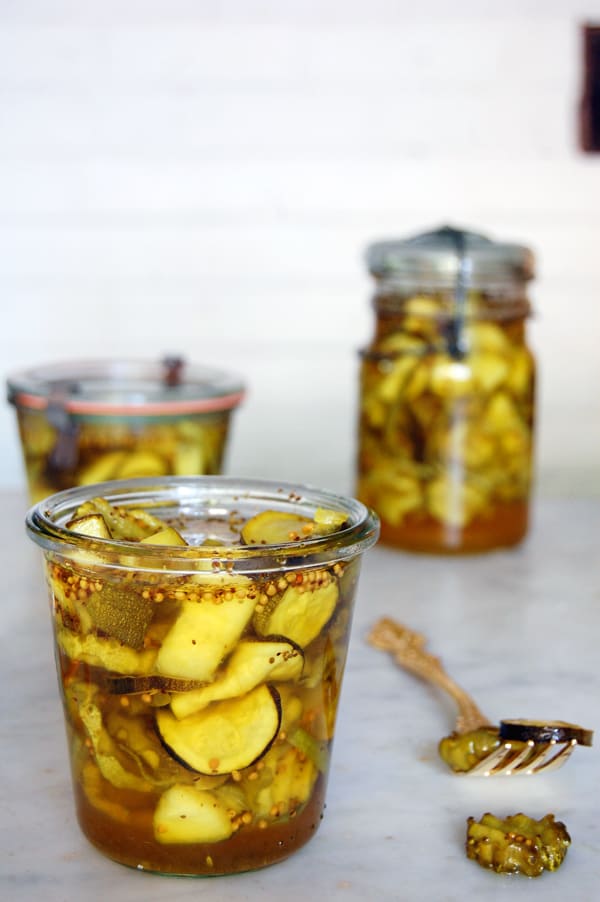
(46, 524)
(121, 387)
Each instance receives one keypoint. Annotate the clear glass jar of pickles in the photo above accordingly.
(447, 393)
(90, 421)
(201, 628)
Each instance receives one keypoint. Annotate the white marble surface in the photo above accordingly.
(520, 629)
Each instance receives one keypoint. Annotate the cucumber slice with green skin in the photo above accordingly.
(250, 664)
(227, 736)
(93, 525)
(203, 634)
(188, 815)
(299, 614)
(120, 614)
(545, 731)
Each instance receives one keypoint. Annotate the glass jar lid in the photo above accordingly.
(126, 387)
(437, 259)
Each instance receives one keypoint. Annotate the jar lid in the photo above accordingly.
(439, 256)
(126, 387)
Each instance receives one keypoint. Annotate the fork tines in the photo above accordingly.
(533, 758)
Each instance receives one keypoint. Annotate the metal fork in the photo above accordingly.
(508, 759)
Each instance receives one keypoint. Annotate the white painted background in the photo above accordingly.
(202, 177)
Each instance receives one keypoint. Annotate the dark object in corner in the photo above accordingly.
(589, 120)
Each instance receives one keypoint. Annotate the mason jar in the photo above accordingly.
(447, 393)
(83, 422)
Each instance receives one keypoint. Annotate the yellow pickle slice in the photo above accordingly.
(250, 664)
(228, 735)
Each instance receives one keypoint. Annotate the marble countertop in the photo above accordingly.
(519, 628)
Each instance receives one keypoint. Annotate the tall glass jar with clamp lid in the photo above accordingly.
(447, 393)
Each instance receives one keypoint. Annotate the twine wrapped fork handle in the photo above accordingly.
(408, 649)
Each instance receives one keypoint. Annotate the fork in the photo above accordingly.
(522, 758)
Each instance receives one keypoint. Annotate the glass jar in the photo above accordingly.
(201, 626)
(89, 421)
(447, 393)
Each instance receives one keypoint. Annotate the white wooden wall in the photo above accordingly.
(202, 177)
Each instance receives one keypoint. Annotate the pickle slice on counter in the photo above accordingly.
(250, 664)
(185, 814)
(228, 735)
(517, 844)
(545, 731)
(300, 613)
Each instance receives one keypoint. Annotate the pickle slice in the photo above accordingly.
(545, 731)
(202, 635)
(228, 735)
(93, 525)
(250, 664)
(167, 536)
(108, 653)
(276, 528)
(120, 614)
(107, 760)
(299, 614)
(188, 815)
(103, 468)
(328, 520)
(294, 776)
(128, 525)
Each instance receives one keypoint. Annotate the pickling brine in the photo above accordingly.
(447, 400)
(200, 652)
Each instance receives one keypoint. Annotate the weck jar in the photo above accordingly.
(447, 393)
(88, 421)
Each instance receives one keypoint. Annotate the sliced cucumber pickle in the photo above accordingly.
(226, 736)
(545, 731)
(120, 614)
(108, 653)
(203, 634)
(185, 814)
(93, 525)
(167, 536)
(250, 664)
(299, 614)
(276, 528)
(128, 525)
